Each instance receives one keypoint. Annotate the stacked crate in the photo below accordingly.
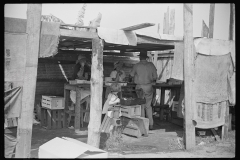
(52, 112)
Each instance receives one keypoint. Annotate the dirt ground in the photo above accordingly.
(163, 142)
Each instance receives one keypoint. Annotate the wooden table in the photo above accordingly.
(78, 88)
(163, 87)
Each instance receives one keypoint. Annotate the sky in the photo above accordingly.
(120, 15)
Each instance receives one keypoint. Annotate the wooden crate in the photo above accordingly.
(52, 119)
(132, 132)
(53, 102)
(11, 122)
(133, 124)
(107, 122)
(131, 111)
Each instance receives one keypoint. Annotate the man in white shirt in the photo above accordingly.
(145, 75)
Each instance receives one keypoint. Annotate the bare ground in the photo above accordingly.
(163, 142)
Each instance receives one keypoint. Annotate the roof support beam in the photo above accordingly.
(77, 34)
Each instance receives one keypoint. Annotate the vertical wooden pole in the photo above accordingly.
(167, 21)
(188, 75)
(155, 58)
(164, 23)
(172, 22)
(24, 131)
(158, 29)
(205, 30)
(232, 21)
(211, 20)
(96, 93)
(77, 110)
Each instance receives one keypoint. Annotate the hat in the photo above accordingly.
(143, 53)
(116, 64)
(80, 57)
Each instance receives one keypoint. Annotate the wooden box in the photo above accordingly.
(53, 102)
(137, 126)
(131, 111)
(52, 119)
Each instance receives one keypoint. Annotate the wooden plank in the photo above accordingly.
(54, 121)
(158, 29)
(86, 53)
(59, 119)
(232, 22)
(24, 132)
(96, 93)
(211, 20)
(49, 119)
(188, 76)
(71, 25)
(138, 26)
(215, 134)
(230, 122)
(225, 126)
(103, 123)
(15, 25)
(172, 22)
(155, 59)
(77, 110)
(64, 33)
(167, 21)
(42, 117)
(66, 99)
(205, 30)
(164, 23)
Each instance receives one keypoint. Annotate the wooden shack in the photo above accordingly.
(103, 46)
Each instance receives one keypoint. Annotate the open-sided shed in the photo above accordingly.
(103, 45)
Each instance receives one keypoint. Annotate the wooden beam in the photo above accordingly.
(164, 23)
(232, 22)
(96, 93)
(15, 25)
(205, 30)
(225, 126)
(64, 33)
(158, 29)
(138, 26)
(172, 22)
(188, 75)
(24, 130)
(77, 110)
(90, 53)
(167, 21)
(211, 20)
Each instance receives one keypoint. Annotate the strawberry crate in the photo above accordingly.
(53, 102)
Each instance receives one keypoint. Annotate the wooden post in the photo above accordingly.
(205, 30)
(188, 75)
(77, 110)
(155, 58)
(96, 93)
(25, 121)
(172, 22)
(211, 20)
(158, 29)
(225, 126)
(232, 21)
(167, 21)
(164, 23)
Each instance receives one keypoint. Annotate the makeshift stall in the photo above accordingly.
(60, 45)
